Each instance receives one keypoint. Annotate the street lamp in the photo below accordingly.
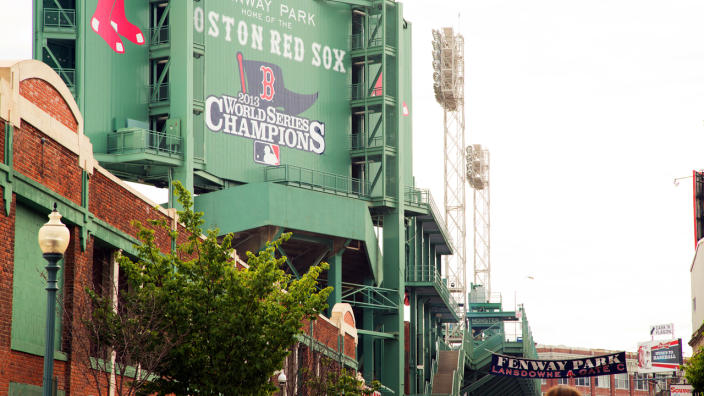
(53, 240)
(282, 382)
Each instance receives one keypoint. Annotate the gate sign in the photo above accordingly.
(662, 329)
(681, 390)
(589, 366)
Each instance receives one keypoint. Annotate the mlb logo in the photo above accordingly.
(266, 153)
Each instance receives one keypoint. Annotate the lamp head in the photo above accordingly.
(53, 236)
(282, 378)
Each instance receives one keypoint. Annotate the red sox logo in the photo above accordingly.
(267, 83)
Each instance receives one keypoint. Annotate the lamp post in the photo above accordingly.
(282, 382)
(53, 240)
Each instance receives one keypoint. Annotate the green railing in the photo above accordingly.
(458, 376)
(417, 197)
(369, 296)
(159, 35)
(358, 140)
(423, 198)
(317, 180)
(430, 274)
(360, 91)
(433, 371)
(357, 41)
(60, 18)
(488, 341)
(529, 350)
(68, 75)
(159, 92)
(131, 140)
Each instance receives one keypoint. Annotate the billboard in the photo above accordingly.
(276, 86)
(659, 355)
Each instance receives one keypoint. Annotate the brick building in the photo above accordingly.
(696, 271)
(45, 158)
(631, 383)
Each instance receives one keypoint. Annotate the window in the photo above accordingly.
(582, 381)
(603, 381)
(621, 381)
(563, 381)
(543, 381)
(640, 381)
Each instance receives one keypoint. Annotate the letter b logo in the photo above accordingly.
(267, 83)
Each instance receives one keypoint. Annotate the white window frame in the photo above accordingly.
(621, 381)
(603, 381)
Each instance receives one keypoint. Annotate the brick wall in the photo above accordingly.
(7, 242)
(44, 160)
(47, 98)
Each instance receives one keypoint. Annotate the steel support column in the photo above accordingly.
(181, 86)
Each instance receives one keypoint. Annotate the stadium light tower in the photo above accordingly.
(478, 178)
(448, 83)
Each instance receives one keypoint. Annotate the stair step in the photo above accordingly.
(442, 383)
(447, 361)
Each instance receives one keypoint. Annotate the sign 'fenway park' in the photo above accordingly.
(513, 366)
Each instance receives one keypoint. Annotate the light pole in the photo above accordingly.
(282, 382)
(53, 240)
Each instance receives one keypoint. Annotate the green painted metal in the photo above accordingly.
(28, 282)
(288, 262)
(256, 204)
(6, 182)
(335, 280)
(370, 297)
(19, 389)
(376, 334)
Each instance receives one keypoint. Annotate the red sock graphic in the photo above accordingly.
(122, 26)
(100, 23)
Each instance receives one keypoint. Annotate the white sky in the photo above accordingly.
(589, 109)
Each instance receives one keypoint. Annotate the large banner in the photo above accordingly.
(659, 355)
(276, 87)
(513, 366)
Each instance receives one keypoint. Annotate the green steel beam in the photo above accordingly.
(288, 261)
(6, 182)
(377, 334)
(362, 3)
(181, 84)
(335, 280)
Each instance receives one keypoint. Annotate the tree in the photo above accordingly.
(236, 324)
(694, 371)
(125, 338)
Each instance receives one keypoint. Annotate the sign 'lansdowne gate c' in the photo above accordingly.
(582, 367)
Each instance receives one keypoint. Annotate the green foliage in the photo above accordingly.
(694, 371)
(236, 324)
(347, 384)
(333, 381)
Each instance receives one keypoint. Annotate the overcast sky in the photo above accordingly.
(589, 110)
